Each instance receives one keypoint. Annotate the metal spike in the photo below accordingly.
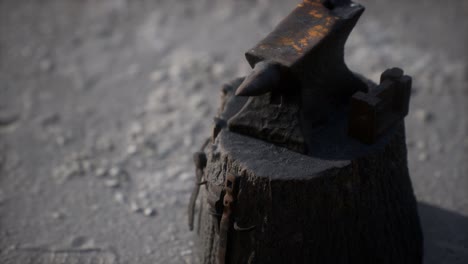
(264, 78)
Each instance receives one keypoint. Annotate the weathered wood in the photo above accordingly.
(344, 203)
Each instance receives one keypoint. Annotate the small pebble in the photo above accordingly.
(100, 172)
(149, 212)
(119, 197)
(131, 149)
(58, 215)
(423, 115)
(423, 156)
(112, 183)
(421, 144)
(60, 140)
(135, 207)
(218, 69)
(114, 172)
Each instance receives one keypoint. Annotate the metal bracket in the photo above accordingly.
(372, 114)
(225, 225)
(200, 160)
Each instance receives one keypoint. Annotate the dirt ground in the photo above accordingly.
(103, 102)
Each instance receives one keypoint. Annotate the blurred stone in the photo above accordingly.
(420, 144)
(112, 183)
(131, 149)
(149, 212)
(100, 172)
(58, 215)
(135, 207)
(423, 115)
(423, 156)
(218, 69)
(114, 172)
(119, 197)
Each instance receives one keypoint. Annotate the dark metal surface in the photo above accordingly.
(371, 114)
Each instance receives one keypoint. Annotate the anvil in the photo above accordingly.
(299, 77)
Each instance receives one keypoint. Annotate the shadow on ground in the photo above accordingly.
(445, 235)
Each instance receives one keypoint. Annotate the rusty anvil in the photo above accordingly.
(299, 79)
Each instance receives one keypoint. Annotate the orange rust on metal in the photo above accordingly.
(315, 14)
(289, 44)
(297, 36)
(313, 2)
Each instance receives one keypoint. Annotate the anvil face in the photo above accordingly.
(297, 36)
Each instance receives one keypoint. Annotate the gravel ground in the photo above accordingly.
(103, 102)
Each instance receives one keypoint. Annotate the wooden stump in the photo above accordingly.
(345, 203)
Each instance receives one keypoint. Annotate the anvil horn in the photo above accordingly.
(265, 77)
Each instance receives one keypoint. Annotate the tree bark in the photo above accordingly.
(344, 203)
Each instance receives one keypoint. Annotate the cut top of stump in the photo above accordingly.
(332, 148)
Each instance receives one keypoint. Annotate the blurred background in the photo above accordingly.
(103, 102)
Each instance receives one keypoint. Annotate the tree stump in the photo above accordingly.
(346, 202)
